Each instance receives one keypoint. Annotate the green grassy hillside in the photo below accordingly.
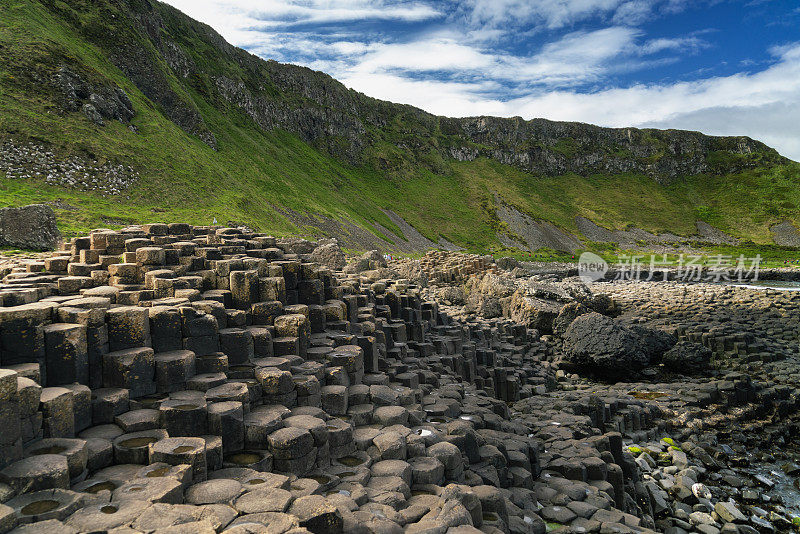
(249, 170)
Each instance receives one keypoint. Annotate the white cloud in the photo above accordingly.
(348, 48)
(764, 105)
(655, 46)
(273, 12)
(548, 13)
(572, 60)
(647, 103)
(428, 55)
(633, 12)
(555, 14)
(327, 11)
(440, 97)
(462, 66)
(250, 23)
(577, 57)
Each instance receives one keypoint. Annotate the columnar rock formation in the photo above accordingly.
(169, 378)
(168, 364)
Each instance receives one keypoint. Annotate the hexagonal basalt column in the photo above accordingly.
(132, 369)
(184, 417)
(173, 369)
(58, 412)
(165, 328)
(244, 288)
(66, 354)
(128, 327)
(277, 386)
(293, 450)
(237, 344)
(176, 451)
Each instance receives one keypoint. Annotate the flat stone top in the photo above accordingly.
(62, 327)
(32, 310)
(93, 301)
(49, 394)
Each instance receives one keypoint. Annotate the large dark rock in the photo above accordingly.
(656, 342)
(687, 357)
(607, 346)
(604, 345)
(568, 313)
(29, 227)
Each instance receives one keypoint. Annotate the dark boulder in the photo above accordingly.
(29, 227)
(687, 357)
(656, 342)
(568, 313)
(605, 346)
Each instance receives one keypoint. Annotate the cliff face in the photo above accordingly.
(175, 60)
(554, 148)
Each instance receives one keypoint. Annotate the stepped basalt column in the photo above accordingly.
(164, 365)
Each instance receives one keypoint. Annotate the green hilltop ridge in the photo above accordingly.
(128, 111)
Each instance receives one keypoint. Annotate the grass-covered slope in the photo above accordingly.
(219, 133)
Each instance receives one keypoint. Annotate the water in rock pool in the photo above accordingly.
(786, 486)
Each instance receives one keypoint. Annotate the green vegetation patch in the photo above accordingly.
(253, 176)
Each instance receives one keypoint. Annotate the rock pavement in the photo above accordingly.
(170, 378)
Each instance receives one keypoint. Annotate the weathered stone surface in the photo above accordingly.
(317, 515)
(604, 345)
(376, 401)
(687, 357)
(330, 255)
(43, 471)
(29, 227)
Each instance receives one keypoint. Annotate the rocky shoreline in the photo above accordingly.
(169, 378)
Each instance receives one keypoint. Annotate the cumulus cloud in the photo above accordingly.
(253, 23)
(273, 12)
(555, 14)
(547, 13)
(662, 102)
(576, 58)
(457, 58)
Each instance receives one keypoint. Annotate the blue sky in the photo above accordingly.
(724, 67)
